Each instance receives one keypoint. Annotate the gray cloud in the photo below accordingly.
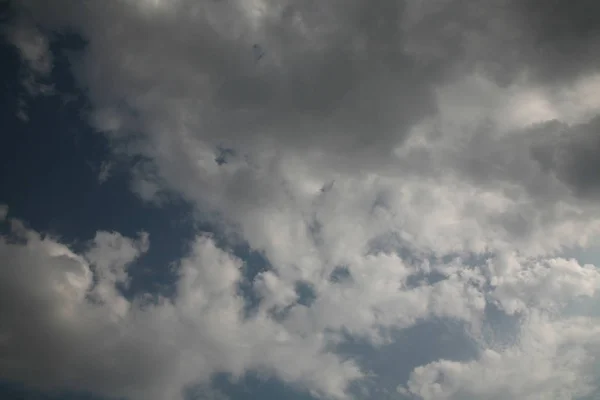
(388, 139)
(564, 36)
(552, 42)
(349, 77)
(330, 74)
(65, 324)
(572, 154)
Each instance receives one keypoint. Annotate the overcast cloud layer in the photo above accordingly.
(401, 165)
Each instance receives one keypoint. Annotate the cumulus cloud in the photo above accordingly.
(553, 352)
(440, 153)
(67, 325)
(561, 354)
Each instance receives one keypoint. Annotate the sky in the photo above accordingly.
(309, 200)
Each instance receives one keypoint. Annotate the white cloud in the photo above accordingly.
(552, 355)
(519, 285)
(103, 342)
(553, 360)
(401, 145)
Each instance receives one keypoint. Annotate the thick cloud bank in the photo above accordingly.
(396, 163)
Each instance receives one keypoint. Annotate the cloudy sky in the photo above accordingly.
(300, 199)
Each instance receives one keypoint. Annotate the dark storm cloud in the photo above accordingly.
(565, 37)
(330, 73)
(343, 75)
(333, 75)
(550, 161)
(552, 41)
(572, 154)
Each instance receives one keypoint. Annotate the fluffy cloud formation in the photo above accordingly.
(441, 154)
(553, 360)
(66, 324)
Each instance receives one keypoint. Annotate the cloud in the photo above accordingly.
(553, 352)
(32, 45)
(547, 285)
(506, 39)
(554, 360)
(563, 34)
(572, 155)
(439, 153)
(34, 49)
(99, 341)
(105, 172)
